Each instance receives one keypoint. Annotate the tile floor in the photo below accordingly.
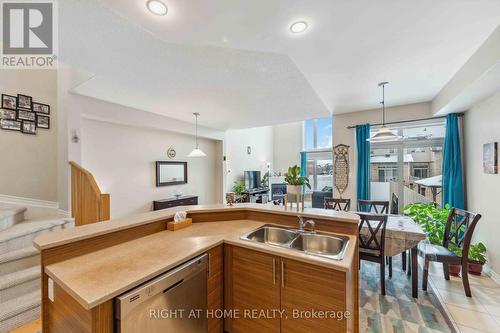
(478, 314)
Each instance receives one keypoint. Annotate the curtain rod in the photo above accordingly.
(407, 121)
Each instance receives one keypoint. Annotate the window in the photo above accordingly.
(318, 134)
(318, 146)
(320, 170)
(411, 167)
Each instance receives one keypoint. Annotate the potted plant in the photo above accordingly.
(477, 258)
(238, 189)
(295, 181)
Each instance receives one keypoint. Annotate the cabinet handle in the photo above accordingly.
(209, 257)
(274, 271)
(282, 274)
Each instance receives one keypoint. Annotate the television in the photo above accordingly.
(252, 179)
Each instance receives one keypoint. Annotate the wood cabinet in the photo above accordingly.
(308, 291)
(251, 286)
(215, 289)
(302, 297)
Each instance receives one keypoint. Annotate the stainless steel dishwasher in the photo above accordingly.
(172, 302)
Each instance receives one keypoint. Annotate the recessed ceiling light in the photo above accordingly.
(298, 27)
(157, 7)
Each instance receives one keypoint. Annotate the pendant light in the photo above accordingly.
(384, 134)
(197, 152)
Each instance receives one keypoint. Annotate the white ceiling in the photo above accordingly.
(236, 62)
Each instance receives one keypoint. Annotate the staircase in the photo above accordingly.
(20, 266)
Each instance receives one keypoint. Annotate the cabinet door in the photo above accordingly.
(215, 289)
(307, 289)
(253, 282)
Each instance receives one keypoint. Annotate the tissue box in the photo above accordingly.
(173, 226)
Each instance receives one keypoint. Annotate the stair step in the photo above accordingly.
(18, 283)
(19, 311)
(18, 260)
(22, 234)
(11, 216)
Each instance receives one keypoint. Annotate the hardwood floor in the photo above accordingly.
(33, 327)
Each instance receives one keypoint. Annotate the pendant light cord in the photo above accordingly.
(382, 84)
(196, 129)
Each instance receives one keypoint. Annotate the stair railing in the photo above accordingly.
(88, 204)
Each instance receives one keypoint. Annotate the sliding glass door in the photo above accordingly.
(409, 168)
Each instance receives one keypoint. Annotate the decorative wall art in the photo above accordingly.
(24, 102)
(9, 102)
(41, 108)
(11, 125)
(8, 114)
(29, 127)
(490, 158)
(341, 168)
(20, 113)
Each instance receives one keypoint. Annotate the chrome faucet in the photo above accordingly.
(303, 224)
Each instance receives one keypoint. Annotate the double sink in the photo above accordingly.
(320, 244)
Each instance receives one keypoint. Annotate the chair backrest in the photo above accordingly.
(379, 207)
(459, 229)
(394, 204)
(338, 204)
(376, 226)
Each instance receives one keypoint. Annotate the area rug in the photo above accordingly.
(397, 311)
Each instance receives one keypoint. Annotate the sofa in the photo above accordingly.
(318, 197)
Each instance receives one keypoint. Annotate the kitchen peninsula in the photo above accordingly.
(85, 269)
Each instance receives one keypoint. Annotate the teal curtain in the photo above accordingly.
(363, 172)
(453, 187)
(303, 163)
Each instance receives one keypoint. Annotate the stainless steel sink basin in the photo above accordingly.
(271, 235)
(318, 243)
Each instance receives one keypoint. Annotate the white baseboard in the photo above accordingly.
(493, 275)
(9, 199)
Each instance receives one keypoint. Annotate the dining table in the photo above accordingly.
(402, 234)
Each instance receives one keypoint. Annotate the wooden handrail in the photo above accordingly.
(88, 204)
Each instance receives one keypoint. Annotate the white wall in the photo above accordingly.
(122, 159)
(287, 143)
(237, 159)
(343, 135)
(481, 125)
(28, 165)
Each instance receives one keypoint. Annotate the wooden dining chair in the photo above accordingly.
(372, 245)
(395, 211)
(338, 204)
(379, 207)
(458, 232)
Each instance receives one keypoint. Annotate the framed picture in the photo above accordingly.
(41, 108)
(28, 127)
(12, 125)
(24, 102)
(43, 122)
(8, 114)
(9, 102)
(26, 115)
(490, 158)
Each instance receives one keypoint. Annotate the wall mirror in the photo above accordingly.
(171, 173)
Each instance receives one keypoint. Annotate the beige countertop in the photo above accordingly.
(66, 236)
(102, 275)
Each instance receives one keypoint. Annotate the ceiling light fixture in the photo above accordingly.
(197, 152)
(384, 134)
(298, 27)
(157, 7)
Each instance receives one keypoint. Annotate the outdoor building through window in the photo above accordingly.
(318, 148)
(409, 168)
